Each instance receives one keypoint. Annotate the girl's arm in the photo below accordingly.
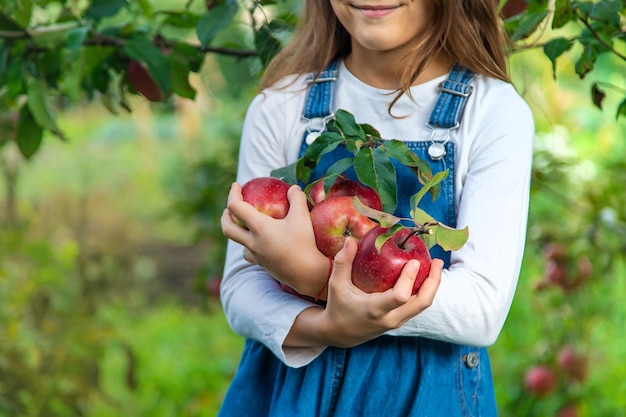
(351, 316)
(477, 289)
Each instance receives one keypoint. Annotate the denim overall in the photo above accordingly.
(390, 376)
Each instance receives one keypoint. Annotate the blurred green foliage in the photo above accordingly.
(110, 248)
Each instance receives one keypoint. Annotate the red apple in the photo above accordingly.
(540, 380)
(268, 195)
(344, 186)
(142, 81)
(375, 271)
(569, 410)
(572, 362)
(213, 284)
(334, 219)
(513, 8)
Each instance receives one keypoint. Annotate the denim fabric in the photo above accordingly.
(389, 376)
(449, 108)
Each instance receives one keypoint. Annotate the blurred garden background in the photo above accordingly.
(110, 246)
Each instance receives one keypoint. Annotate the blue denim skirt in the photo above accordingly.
(389, 376)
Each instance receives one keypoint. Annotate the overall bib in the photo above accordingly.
(390, 376)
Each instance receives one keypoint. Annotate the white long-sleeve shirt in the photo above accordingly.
(492, 178)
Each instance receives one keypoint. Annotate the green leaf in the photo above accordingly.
(586, 61)
(266, 44)
(323, 144)
(528, 24)
(563, 13)
(384, 219)
(75, 39)
(374, 169)
(29, 134)
(23, 14)
(607, 11)
(215, 20)
(420, 216)
(347, 124)
(554, 48)
(339, 167)
(437, 178)
(384, 237)
(398, 150)
(286, 173)
(99, 9)
(194, 57)
(621, 110)
(142, 49)
(38, 105)
(597, 95)
(449, 238)
(179, 67)
(10, 25)
(185, 20)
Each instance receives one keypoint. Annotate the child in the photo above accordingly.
(433, 74)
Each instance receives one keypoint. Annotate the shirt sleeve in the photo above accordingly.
(254, 304)
(476, 291)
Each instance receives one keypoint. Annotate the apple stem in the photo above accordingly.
(416, 231)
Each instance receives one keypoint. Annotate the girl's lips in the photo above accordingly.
(376, 11)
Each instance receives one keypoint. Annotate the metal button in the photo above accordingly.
(471, 360)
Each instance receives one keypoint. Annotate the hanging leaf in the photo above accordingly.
(554, 48)
(449, 238)
(266, 44)
(607, 11)
(338, 168)
(621, 109)
(597, 95)
(38, 105)
(186, 20)
(563, 13)
(586, 61)
(99, 9)
(346, 123)
(398, 150)
(216, 19)
(375, 169)
(29, 134)
(383, 218)
(179, 71)
(528, 24)
(436, 180)
(10, 25)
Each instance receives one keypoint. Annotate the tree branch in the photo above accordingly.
(598, 38)
(99, 40)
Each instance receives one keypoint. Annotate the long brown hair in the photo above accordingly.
(469, 33)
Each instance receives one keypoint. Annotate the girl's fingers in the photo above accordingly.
(232, 230)
(400, 301)
(298, 205)
(342, 265)
(249, 256)
(426, 294)
(238, 208)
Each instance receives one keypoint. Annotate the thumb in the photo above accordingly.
(342, 266)
(297, 201)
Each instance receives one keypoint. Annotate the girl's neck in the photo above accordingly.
(385, 71)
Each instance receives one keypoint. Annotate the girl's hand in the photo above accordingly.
(351, 316)
(284, 247)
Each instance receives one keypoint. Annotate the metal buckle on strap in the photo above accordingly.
(323, 79)
(466, 89)
(316, 126)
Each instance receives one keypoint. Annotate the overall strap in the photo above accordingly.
(453, 94)
(320, 97)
